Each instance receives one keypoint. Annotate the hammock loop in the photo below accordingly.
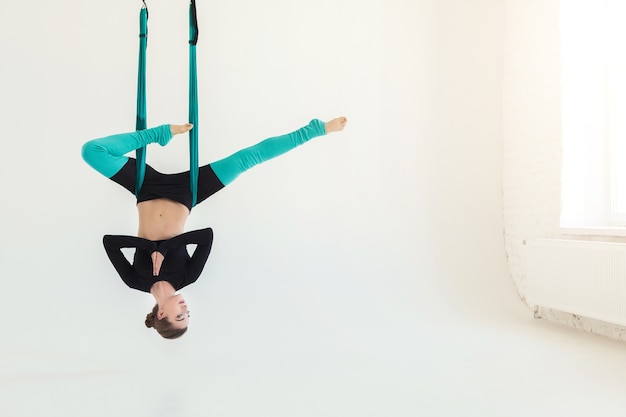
(193, 23)
(141, 119)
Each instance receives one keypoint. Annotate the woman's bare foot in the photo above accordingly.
(178, 129)
(336, 125)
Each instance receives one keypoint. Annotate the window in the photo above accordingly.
(593, 74)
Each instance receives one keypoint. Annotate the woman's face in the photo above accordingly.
(175, 311)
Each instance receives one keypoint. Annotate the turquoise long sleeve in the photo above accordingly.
(231, 167)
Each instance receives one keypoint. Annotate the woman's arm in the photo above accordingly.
(204, 239)
(199, 257)
(200, 237)
(113, 246)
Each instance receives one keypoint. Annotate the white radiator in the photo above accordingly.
(579, 277)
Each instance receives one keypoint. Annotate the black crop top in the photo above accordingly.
(178, 268)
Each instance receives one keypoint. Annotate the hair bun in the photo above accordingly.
(149, 320)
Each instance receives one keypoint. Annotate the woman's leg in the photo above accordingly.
(106, 155)
(231, 167)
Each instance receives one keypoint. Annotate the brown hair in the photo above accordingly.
(164, 327)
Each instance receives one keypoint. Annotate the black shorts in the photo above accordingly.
(176, 187)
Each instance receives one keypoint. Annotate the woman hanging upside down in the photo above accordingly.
(161, 265)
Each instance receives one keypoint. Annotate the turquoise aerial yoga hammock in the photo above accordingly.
(141, 122)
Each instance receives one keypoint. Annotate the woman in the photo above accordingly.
(161, 265)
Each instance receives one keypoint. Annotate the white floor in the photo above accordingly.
(293, 354)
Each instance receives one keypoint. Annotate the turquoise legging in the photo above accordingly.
(106, 155)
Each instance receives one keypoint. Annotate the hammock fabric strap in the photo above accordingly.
(141, 122)
(193, 102)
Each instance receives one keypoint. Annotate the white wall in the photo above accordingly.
(532, 142)
(340, 241)
(532, 126)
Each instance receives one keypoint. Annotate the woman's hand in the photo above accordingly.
(157, 260)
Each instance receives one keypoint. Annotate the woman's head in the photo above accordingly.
(170, 319)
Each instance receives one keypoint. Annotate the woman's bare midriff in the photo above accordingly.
(161, 219)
